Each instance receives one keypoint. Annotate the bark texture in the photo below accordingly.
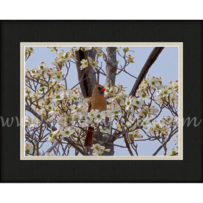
(111, 65)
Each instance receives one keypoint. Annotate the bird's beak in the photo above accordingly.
(103, 89)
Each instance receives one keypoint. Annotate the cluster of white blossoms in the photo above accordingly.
(45, 75)
(128, 57)
(28, 51)
(68, 110)
(31, 121)
(93, 63)
(162, 128)
(62, 58)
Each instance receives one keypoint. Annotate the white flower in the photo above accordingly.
(153, 110)
(58, 76)
(29, 148)
(130, 58)
(115, 113)
(173, 152)
(84, 63)
(174, 84)
(99, 51)
(165, 92)
(136, 102)
(153, 82)
(53, 136)
(98, 149)
(42, 89)
(146, 122)
(128, 105)
(98, 117)
(48, 107)
(42, 66)
(33, 72)
(83, 125)
(58, 97)
(93, 113)
(174, 99)
(67, 132)
(63, 120)
(30, 122)
(167, 120)
(62, 58)
(105, 114)
(28, 51)
(159, 100)
(93, 63)
(142, 95)
(104, 130)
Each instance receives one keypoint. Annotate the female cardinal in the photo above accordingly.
(97, 101)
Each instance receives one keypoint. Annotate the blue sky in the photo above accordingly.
(166, 67)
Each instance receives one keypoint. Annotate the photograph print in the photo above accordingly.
(101, 101)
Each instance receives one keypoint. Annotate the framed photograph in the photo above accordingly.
(122, 105)
(137, 112)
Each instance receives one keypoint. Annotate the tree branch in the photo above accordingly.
(151, 59)
(28, 108)
(168, 139)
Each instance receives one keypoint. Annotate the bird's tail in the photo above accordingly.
(89, 137)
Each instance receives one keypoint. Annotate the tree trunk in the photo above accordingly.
(87, 75)
(111, 65)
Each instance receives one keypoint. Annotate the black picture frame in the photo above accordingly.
(15, 170)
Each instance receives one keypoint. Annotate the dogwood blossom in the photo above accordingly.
(53, 136)
(66, 132)
(84, 63)
(99, 51)
(93, 63)
(173, 152)
(130, 58)
(29, 148)
(58, 76)
(98, 150)
(28, 51)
